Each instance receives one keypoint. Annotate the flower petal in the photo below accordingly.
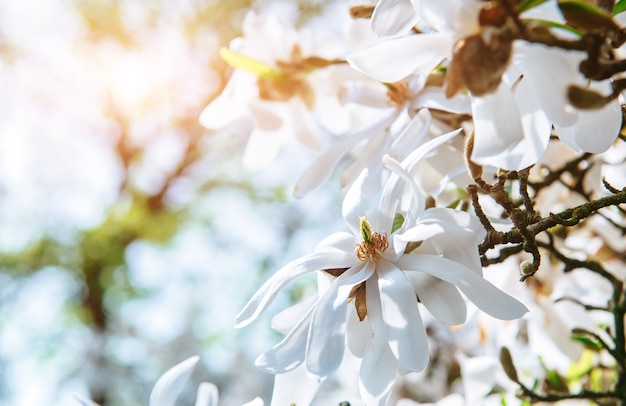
(208, 395)
(327, 333)
(266, 294)
(395, 59)
(393, 187)
(497, 129)
(441, 298)
(341, 241)
(392, 18)
(352, 208)
(296, 387)
(169, 385)
(319, 171)
(405, 331)
(420, 232)
(261, 149)
(379, 366)
(595, 131)
(290, 352)
(550, 70)
(84, 401)
(483, 294)
(358, 334)
(231, 105)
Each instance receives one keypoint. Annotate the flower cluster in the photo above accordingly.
(417, 102)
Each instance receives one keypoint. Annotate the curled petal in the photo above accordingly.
(325, 163)
(392, 18)
(290, 352)
(208, 394)
(393, 187)
(327, 333)
(482, 293)
(441, 298)
(309, 263)
(395, 59)
(168, 387)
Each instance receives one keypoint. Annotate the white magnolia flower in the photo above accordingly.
(383, 272)
(273, 91)
(168, 388)
(402, 127)
(527, 96)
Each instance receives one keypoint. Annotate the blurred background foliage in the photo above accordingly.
(129, 235)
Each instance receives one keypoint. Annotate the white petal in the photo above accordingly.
(231, 105)
(290, 352)
(327, 333)
(84, 401)
(395, 59)
(309, 263)
(483, 294)
(433, 97)
(405, 331)
(369, 158)
(420, 232)
(352, 208)
(301, 125)
(294, 387)
(169, 385)
(549, 71)
(537, 127)
(358, 334)
(287, 319)
(456, 242)
(340, 241)
(325, 163)
(379, 366)
(392, 18)
(255, 402)
(497, 129)
(460, 218)
(262, 149)
(441, 298)
(595, 131)
(208, 395)
(393, 187)
(412, 135)
(479, 377)
(264, 114)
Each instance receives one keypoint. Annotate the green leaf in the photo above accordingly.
(257, 68)
(588, 342)
(620, 7)
(585, 16)
(552, 24)
(528, 4)
(398, 220)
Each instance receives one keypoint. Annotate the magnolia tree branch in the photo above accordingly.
(567, 217)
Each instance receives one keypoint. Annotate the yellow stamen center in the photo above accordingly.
(372, 250)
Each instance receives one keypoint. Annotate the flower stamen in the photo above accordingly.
(372, 250)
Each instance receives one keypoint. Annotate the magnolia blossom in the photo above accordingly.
(400, 128)
(524, 92)
(382, 270)
(168, 388)
(272, 90)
